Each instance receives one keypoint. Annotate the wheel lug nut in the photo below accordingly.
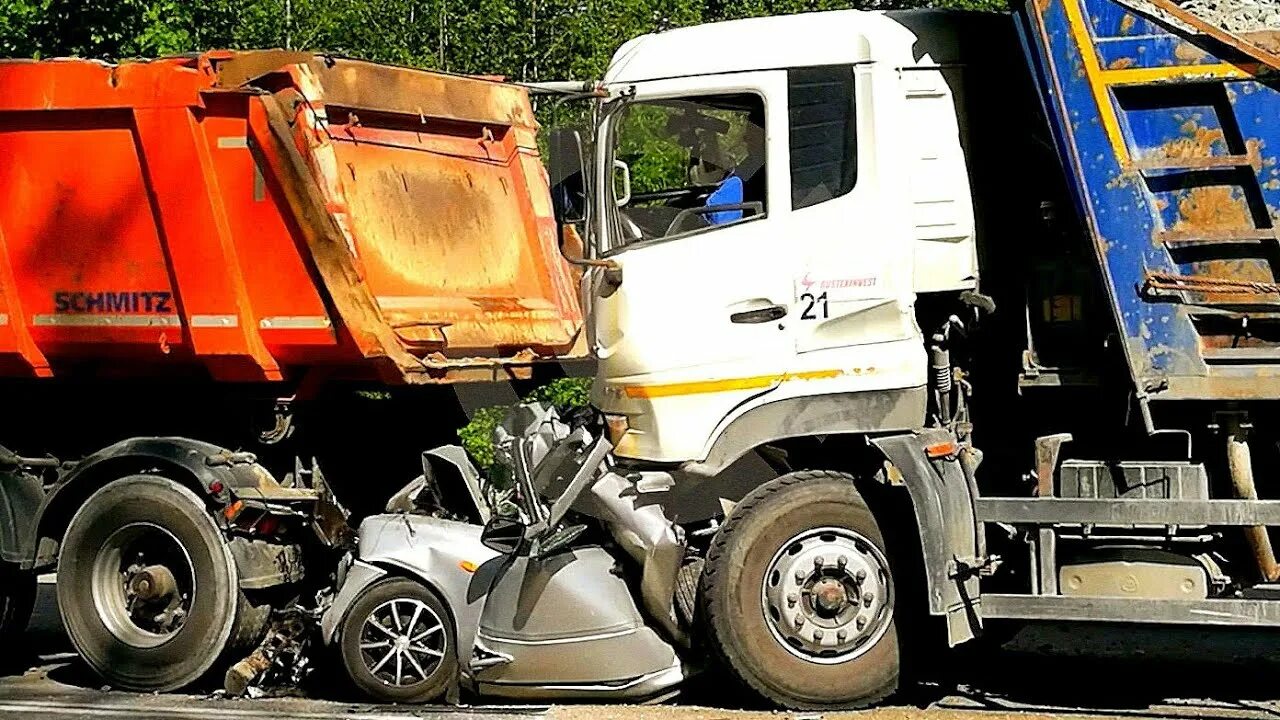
(842, 561)
(799, 576)
(817, 634)
(792, 599)
(799, 621)
(860, 575)
(867, 599)
(818, 562)
(861, 622)
(842, 634)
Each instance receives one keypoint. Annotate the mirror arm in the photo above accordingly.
(612, 270)
(593, 262)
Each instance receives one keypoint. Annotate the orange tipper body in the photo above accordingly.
(255, 215)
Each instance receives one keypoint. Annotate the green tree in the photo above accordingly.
(477, 435)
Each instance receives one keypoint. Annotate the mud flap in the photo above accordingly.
(20, 497)
(943, 506)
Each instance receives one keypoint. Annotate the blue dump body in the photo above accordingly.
(1171, 138)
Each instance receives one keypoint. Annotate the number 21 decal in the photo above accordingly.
(815, 303)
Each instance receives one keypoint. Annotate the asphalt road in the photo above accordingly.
(1045, 671)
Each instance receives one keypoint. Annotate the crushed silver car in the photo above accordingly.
(561, 585)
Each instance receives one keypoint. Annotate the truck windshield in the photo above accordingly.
(691, 165)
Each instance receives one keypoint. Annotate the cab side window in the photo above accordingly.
(691, 164)
(824, 151)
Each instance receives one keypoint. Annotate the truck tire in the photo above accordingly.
(397, 643)
(147, 586)
(17, 598)
(797, 595)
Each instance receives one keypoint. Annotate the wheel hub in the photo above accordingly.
(143, 584)
(402, 642)
(827, 595)
(153, 582)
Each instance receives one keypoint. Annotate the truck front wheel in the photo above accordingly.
(147, 586)
(798, 597)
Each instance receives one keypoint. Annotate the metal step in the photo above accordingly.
(1234, 612)
(1200, 238)
(1052, 510)
(1234, 314)
(1203, 162)
(1245, 355)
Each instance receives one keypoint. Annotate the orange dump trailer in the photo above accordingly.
(264, 215)
(186, 241)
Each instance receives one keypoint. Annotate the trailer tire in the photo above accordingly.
(164, 624)
(376, 607)
(786, 563)
(17, 599)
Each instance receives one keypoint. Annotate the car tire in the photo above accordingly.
(381, 664)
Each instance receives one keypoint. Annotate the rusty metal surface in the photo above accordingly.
(1209, 284)
(235, 70)
(437, 184)
(270, 124)
(371, 221)
(1170, 132)
(417, 94)
(1242, 43)
(1240, 466)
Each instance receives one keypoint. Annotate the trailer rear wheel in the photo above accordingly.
(798, 598)
(148, 589)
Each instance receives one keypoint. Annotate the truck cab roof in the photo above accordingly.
(910, 38)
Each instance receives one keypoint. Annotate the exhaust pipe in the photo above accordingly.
(1240, 463)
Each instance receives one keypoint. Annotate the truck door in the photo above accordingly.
(692, 173)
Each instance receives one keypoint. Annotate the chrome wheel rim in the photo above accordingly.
(143, 584)
(828, 595)
(403, 642)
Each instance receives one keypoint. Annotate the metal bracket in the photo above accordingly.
(966, 567)
(284, 423)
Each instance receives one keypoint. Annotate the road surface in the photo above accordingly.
(1045, 672)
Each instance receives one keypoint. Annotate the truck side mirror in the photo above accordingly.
(568, 176)
(503, 534)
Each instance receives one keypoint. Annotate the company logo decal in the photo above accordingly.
(157, 302)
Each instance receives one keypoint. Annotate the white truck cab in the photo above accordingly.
(775, 194)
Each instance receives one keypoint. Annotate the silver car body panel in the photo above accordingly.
(568, 620)
(359, 577)
(457, 457)
(435, 552)
(640, 524)
(652, 687)
(451, 473)
(560, 624)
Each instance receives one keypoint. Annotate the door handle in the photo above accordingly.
(759, 315)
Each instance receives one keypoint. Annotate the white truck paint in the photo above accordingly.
(671, 362)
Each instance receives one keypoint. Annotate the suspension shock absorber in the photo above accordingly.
(940, 373)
